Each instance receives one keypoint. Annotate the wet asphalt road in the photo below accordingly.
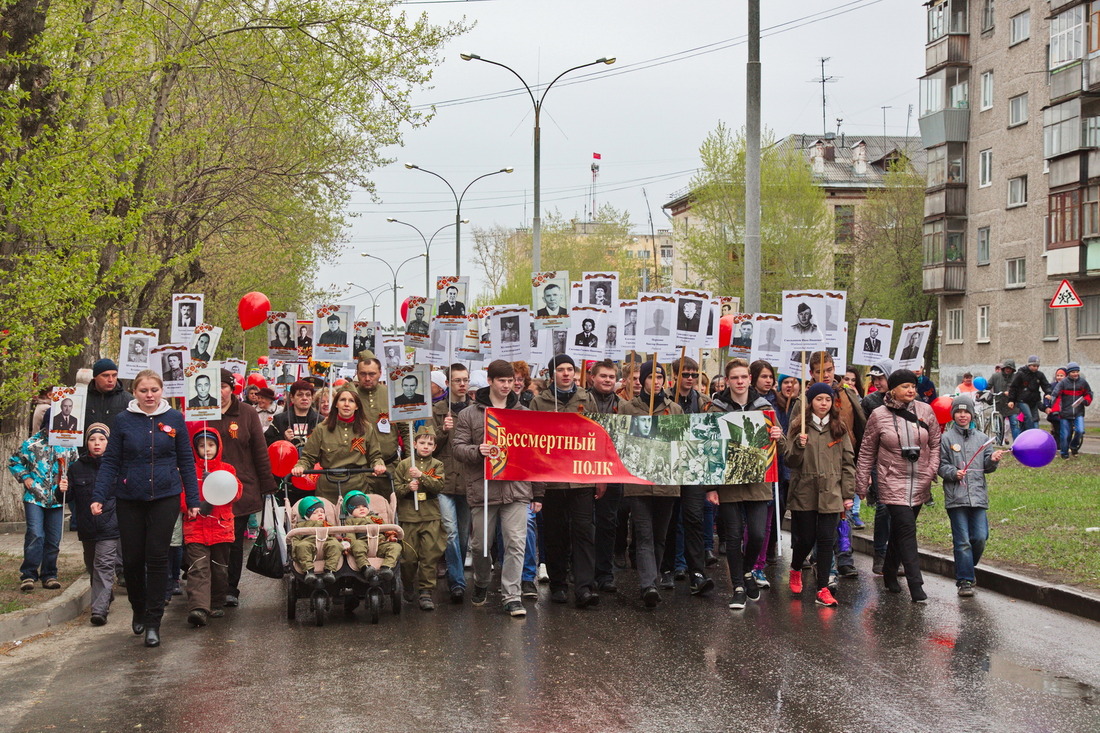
(878, 663)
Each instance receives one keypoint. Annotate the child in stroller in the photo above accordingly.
(388, 550)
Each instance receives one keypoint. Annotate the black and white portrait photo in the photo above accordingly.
(204, 395)
(187, 314)
(550, 294)
(66, 417)
(331, 332)
(172, 366)
(452, 304)
(689, 315)
(135, 346)
(509, 329)
(587, 337)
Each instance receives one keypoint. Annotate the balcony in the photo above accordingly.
(1067, 81)
(945, 278)
(946, 201)
(945, 126)
(1079, 261)
(953, 49)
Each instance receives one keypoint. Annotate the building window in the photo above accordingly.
(946, 16)
(983, 246)
(1067, 36)
(1088, 316)
(1050, 323)
(946, 88)
(937, 21)
(845, 220)
(1063, 217)
(933, 243)
(983, 324)
(987, 15)
(1021, 27)
(1017, 110)
(1062, 128)
(954, 326)
(1015, 273)
(843, 266)
(1090, 212)
(1017, 191)
(985, 168)
(987, 90)
(946, 164)
(944, 241)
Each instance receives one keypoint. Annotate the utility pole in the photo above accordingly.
(752, 164)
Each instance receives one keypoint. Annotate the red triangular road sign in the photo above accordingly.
(1066, 297)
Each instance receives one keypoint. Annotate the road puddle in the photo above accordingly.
(1041, 680)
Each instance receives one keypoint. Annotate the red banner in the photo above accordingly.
(552, 446)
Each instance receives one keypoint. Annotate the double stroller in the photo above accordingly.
(350, 589)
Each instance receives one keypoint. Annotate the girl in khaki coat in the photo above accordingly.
(823, 472)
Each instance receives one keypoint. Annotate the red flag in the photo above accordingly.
(552, 446)
(596, 156)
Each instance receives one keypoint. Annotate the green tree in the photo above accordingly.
(886, 277)
(795, 227)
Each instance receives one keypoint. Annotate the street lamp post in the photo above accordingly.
(459, 221)
(427, 249)
(536, 221)
(374, 296)
(394, 273)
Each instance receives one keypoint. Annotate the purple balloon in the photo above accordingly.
(1034, 448)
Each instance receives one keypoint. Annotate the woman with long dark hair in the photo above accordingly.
(344, 440)
(148, 464)
(902, 439)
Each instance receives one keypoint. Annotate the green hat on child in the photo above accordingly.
(353, 499)
(307, 505)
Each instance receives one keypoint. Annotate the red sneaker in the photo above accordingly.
(796, 581)
(825, 598)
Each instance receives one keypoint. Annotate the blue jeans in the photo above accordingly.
(1014, 424)
(1072, 431)
(1031, 416)
(969, 532)
(41, 542)
(455, 511)
(530, 553)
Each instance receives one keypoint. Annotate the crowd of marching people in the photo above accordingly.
(843, 441)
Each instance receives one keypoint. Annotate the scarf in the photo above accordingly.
(563, 395)
(901, 410)
(442, 396)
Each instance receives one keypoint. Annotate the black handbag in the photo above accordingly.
(266, 557)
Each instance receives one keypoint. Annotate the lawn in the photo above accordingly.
(1038, 521)
(12, 599)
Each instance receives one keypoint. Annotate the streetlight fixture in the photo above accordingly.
(427, 248)
(536, 221)
(459, 221)
(373, 296)
(394, 273)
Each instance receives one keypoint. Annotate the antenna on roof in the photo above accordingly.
(823, 80)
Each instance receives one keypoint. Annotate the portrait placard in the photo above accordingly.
(287, 373)
(418, 321)
(767, 339)
(237, 366)
(741, 336)
(511, 329)
(658, 317)
(187, 314)
(585, 336)
(803, 314)
(600, 289)
(281, 344)
(913, 340)
(393, 353)
(365, 337)
(204, 342)
(134, 348)
(331, 327)
(451, 298)
(410, 392)
(548, 299)
(628, 320)
(728, 304)
(203, 393)
(470, 348)
(304, 339)
(873, 339)
(172, 361)
(66, 418)
(691, 318)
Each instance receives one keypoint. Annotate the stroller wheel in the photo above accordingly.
(291, 599)
(375, 600)
(395, 597)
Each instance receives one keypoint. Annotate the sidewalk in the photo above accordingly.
(51, 608)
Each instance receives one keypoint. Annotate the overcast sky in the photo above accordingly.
(680, 70)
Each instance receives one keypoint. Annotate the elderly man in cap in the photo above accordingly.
(244, 448)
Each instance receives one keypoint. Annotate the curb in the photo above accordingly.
(30, 621)
(1059, 597)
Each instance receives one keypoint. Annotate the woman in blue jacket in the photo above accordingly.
(147, 465)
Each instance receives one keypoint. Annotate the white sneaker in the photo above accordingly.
(544, 577)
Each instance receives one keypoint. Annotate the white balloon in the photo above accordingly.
(219, 488)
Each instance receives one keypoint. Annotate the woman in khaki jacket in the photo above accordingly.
(822, 484)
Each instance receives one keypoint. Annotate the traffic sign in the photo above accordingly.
(1066, 297)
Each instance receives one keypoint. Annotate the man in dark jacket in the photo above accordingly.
(601, 395)
(244, 448)
(453, 507)
(1026, 392)
(106, 397)
(295, 423)
(998, 385)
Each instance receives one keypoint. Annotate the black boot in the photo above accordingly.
(152, 636)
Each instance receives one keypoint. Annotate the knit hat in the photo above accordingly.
(103, 365)
(1033, 359)
(439, 380)
(962, 402)
(227, 377)
(1073, 367)
(882, 368)
(560, 359)
(819, 388)
(97, 428)
(900, 377)
(353, 499)
(301, 386)
(647, 369)
(307, 505)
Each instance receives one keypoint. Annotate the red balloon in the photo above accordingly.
(405, 310)
(942, 407)
(307, 483)
(725, 330)
(261, 360)
(257, 379)
(252, 309)
(238, 384)
(339, 382)
(283, 457)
